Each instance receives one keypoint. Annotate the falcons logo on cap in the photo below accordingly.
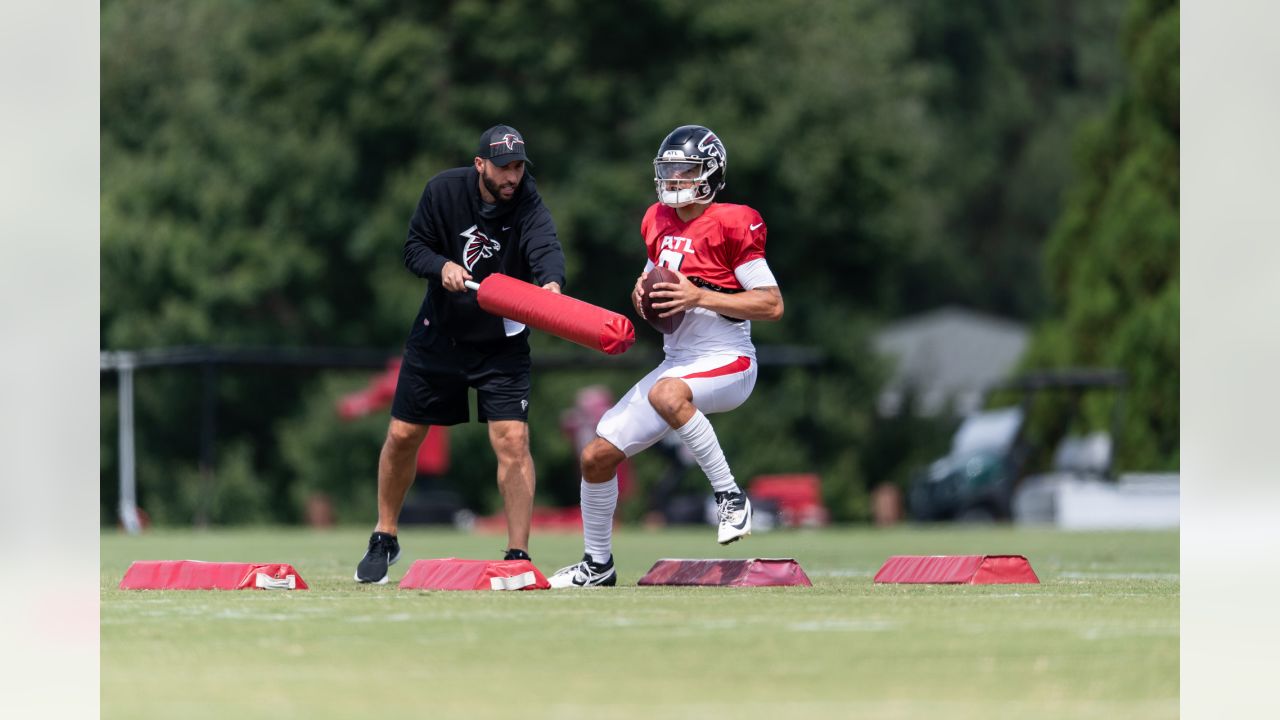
(478, 247)
(509, 140)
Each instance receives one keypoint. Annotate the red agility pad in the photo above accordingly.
(957, 569)
(753, 572)
(455, 574)
(574, 320)
(197, 575)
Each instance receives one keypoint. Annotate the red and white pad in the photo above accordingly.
(581, 322)
(753, 572)
(197, 575)
(455, 574)
(957, 569)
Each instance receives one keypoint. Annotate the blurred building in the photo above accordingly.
(945, 358)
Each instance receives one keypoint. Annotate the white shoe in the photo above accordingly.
(585, 574)
(735, 517)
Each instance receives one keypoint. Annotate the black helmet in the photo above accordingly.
(690, 152)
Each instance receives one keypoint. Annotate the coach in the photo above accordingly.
(470, 222)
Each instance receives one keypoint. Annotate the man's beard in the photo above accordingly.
(494, 189)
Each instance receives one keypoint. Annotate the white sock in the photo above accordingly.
(599, 500)
(700, 438)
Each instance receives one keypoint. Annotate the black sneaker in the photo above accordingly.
(383, 550)
(585, 574)
(514, 554)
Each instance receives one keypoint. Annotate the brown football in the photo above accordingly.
(666, 325)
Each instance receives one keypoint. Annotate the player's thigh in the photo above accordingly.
(718, 383)
(632, 424)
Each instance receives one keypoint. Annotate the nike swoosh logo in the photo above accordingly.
(742, 524)
(753, 227)
(506, 228)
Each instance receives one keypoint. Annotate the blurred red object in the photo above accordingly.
(433, 456)
(377, 395)
(798, 496)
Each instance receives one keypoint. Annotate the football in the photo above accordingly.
(666, 325)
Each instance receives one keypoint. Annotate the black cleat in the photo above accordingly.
(514, 554)
(384, 550)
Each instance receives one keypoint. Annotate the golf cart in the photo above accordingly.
(990, 451)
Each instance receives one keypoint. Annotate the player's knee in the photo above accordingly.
(668, 394)
(600, 460)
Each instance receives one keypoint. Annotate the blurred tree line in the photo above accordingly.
(260, 162)
(1111, 261)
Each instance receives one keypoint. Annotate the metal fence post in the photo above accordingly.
(128, 480)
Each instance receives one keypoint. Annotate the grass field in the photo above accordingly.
(1098, 638)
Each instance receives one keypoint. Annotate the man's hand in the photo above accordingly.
(553, 287)
(671, 298)
(637, 294)
(452, 275)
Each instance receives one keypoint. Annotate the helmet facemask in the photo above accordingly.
(682, 181)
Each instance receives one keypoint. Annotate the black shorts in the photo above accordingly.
(436, 373)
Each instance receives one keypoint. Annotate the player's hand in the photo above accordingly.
(553, 287)
(671, 298)
(452, 275)
(637, 294)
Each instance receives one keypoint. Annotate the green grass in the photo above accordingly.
(1098, 638)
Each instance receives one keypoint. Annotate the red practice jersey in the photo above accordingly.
(711, 247)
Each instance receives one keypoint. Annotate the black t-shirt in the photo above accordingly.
(517, 238)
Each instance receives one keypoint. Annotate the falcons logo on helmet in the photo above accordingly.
(711, 145)
(478, 247)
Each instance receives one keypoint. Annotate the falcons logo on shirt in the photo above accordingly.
(478, 247)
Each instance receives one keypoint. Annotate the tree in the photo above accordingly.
(1112, 259)
(1011, 80)
(260, 163)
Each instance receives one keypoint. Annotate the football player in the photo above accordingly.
(716, 251)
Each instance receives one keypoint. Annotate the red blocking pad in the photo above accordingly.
(455, 574)
(753, 572)
(197, 575)
(572, 319)
(957, 569)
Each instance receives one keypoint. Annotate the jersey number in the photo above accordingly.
(670, 259)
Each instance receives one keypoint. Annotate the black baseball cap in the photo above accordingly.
(502, 144)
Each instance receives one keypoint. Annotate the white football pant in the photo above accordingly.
(719, 383)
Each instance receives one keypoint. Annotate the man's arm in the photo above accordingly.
(423, 251)
(761, 300)
(542, 251)
(637, 293)
(762, 303)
